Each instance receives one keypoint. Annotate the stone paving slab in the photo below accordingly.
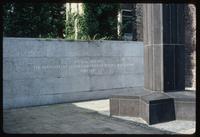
(176, 126)
(69, 118)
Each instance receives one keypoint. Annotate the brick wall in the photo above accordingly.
(190, 46)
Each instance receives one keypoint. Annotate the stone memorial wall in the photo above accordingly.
(39, 72)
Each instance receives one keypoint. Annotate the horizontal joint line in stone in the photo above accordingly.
(67, 76)
(161, 103)
(90, 91)
(10, 56)
(132, 99)
(185, 102)
(163, 44)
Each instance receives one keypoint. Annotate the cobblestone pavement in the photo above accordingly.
(69, 118)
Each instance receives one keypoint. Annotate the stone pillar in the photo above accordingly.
(163, 31)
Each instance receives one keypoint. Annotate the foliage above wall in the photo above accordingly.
(100, 20)
(48, 20)
(34, 20)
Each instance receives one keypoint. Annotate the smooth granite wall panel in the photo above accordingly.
(39, 71)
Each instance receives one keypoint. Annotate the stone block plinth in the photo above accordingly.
(124, 106)
(154, 107)
(185, 105)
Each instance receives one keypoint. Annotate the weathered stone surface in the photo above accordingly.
(114, 106)
(127, 103)
(69, 118)
(155, 98)
(35, 47)
(185, 105)
(144, 110)
(37, 72)
(185, 110)
(129, 107)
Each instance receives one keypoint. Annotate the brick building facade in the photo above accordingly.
(190, 46)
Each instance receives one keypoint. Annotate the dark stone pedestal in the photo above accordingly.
(157, 108)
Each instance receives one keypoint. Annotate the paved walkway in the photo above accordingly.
(72, 118)
(176, 126)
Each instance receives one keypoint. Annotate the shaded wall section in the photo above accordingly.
(38, 72)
